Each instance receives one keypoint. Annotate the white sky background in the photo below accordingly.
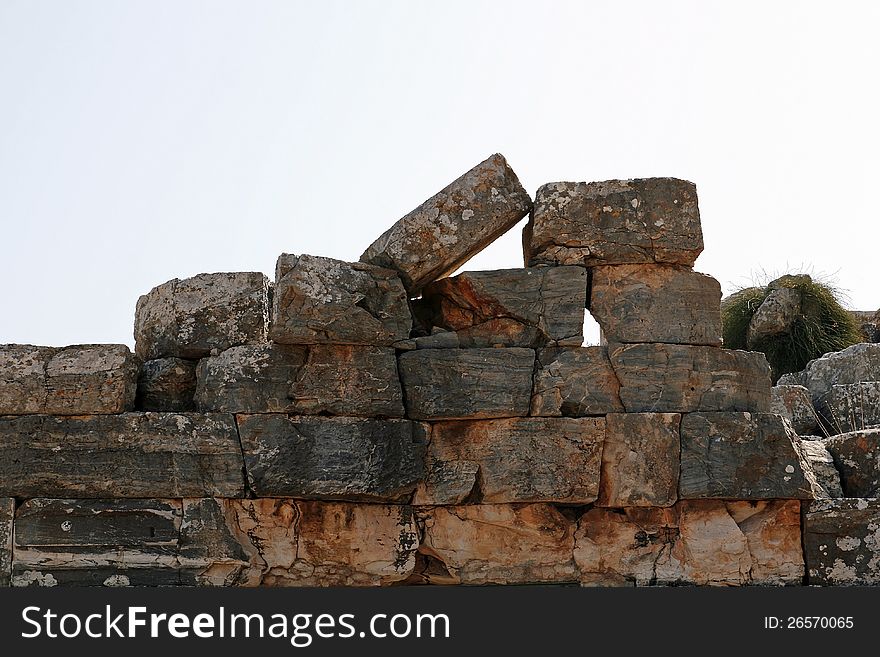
(142, 141)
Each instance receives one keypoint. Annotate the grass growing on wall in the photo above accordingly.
(823, 325)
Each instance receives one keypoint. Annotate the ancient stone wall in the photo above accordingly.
(382, 422)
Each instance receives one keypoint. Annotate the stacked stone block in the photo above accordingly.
(382, 422)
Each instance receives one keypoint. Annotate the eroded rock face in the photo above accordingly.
(825, 474)
(656, 303)
(128, 455)
(190, 318)
(860, 362)
(452, 226)
(513, 460)
(775, 315)
(167, 384)
(850, 407)
(640, 460)
(614, 222)
(857, 458)
(746, 456)
(499, 544)
(333, 458)
(75, 380)
(532, 307)
(575, 382)
(321, 300)
(332, 379)
(451, 384)
(793, 402)
(680, 378)
(842, 542)
(7, 513)
(694, 542)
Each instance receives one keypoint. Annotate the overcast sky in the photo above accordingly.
(142, 141)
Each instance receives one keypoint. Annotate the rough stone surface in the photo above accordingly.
(857, 458)
(575, 382)
(860, 362)
(793, 403)
(640, 460)
(304, 380)
(498, 544)
(842, 542)
(850, 407)
(167, 384)
(746, 456)
(508, 307)
(321, 300)
(656, 303)
(614, 222)
(672, 378)
(192, 317)
(452, 226)
(450, 384)
(775, 315)
(7, 513)
(333, 458)
(75, 380)
(513, 460)
(128, 455)
(695, 542)
(817, 457)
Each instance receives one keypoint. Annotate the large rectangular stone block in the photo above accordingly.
(614, 222)
(671, 378)
(452, 226)
(513, 460)
(7, 513)
(640, 460)
(333, 458)
(128, 455)
(656, 303)
(746, 456)
(192, 317)
(321, 300)
(452, 384)
(575, 382)
(840, 542)
(532, 307)
(75, 380)
(694, 542)
(330, 379)
(850, 407)
(498, 544)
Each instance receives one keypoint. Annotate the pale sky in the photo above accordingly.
(146, 140)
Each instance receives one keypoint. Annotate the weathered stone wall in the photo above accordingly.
(379, 422)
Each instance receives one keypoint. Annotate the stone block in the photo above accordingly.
(575, 382)
(817, 457)
(850, 407)
(167, 384)
(857, 458)
(860, 362)
(841, 542)
(793, 403)
(452, 226)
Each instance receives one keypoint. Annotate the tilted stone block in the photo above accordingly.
(305, 380)
(333, 458)
(167, 384)
(857, 458)
(640, 460)
(129, 455)
(451, 384)
(820, 461)
(513, 460)
(575, 382)
(321, 300)
(498, 544)
(192, 317)
(7, 513)
(860, 362)
(672, 378)
(695, 542)
(508, 307)
(840, 542)
(793, 402)
(614, 222)
(452, 226)
(746, 456)
(850, 407)
(656, 303)
(75, 380)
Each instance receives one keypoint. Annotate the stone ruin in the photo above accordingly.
(383, 422)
